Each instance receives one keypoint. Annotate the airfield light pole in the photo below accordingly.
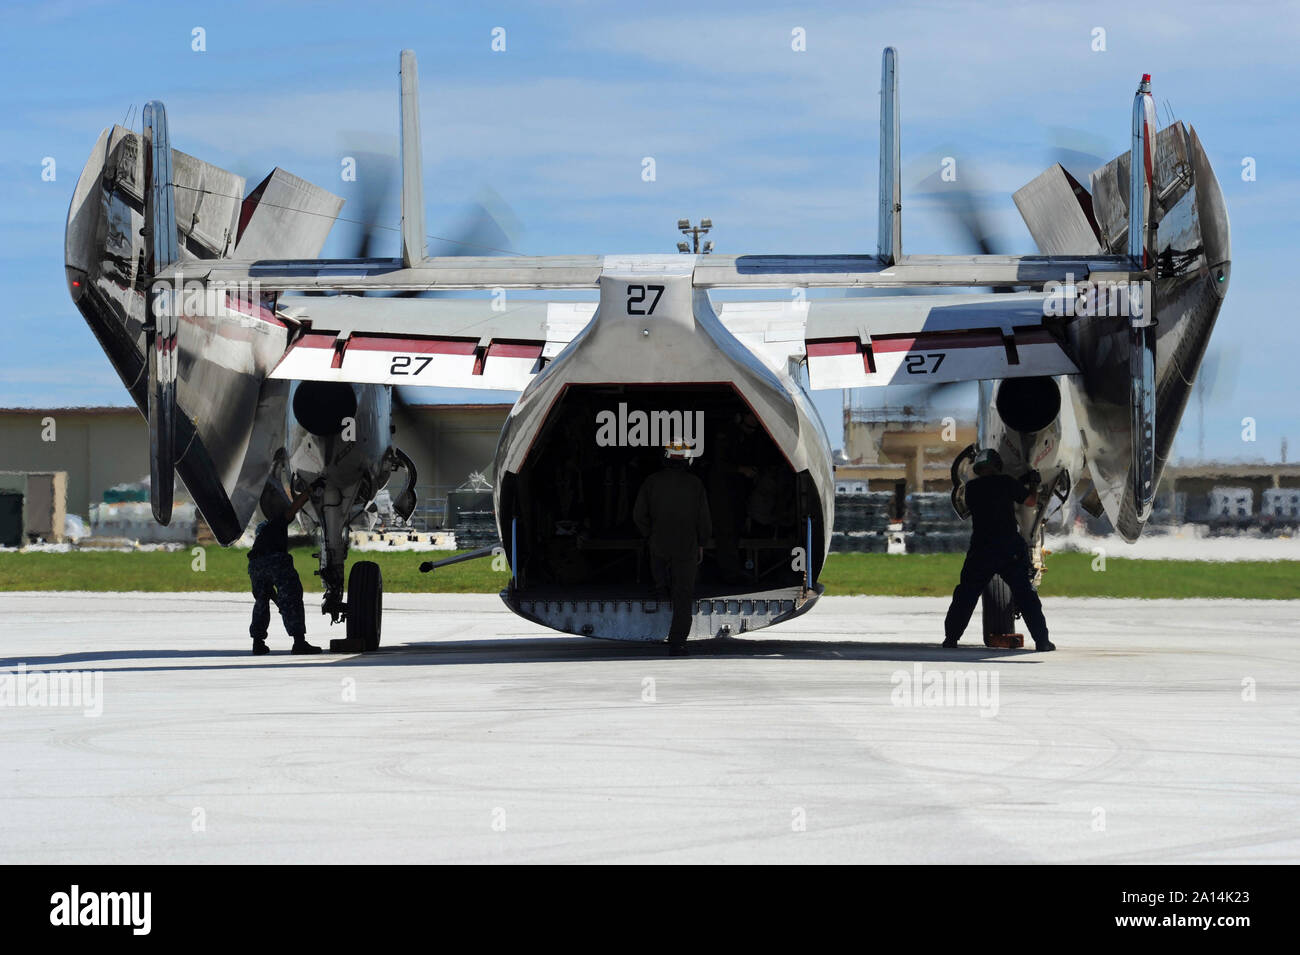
(685, 228)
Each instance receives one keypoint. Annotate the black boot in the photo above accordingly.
(1042, 646)
(300, 645)
(950, 643)
(260, 647)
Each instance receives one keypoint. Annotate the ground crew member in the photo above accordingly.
(672, 510)
(996, 547)
(273, 576)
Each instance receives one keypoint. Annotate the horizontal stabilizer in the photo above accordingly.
(710, 271)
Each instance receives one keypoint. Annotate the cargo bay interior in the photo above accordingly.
(572, 501)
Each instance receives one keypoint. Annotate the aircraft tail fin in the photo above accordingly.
(413, 242)
(890, 238)
(162, 250)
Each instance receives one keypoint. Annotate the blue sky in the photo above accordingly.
(777, 146)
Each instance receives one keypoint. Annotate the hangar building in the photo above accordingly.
(99, 448)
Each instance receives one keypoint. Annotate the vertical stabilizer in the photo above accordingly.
(1142, 333)
(890, 240)
(413, 247)
(162, 250)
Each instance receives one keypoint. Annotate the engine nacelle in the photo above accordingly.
(342, 433)
(1026, 424)
(324, 407)
(1028, 405)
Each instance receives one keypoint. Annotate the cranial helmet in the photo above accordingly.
(677, 451)
(987, 461)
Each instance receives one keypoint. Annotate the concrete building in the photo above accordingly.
(32, 506)
(901, 448)
(908, 449)
(97, 447)
(102, 447)
(1201, 478)
(898, 449)
(446, 443)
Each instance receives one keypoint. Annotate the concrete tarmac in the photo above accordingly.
(1161, 731)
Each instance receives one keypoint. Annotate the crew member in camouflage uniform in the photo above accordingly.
(271, 570)
(996, 547)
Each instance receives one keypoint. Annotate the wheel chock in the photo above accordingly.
(1005, 641)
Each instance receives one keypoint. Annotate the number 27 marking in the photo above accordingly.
(401, 363)
(636, 296)
(916, 364)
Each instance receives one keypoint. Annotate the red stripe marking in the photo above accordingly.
(252, 309)
(514, 350)
(315, 341)
(419, 346)
(227, 330)
(248, 207)
(832, 346)
(936, 342)
(1034, 336)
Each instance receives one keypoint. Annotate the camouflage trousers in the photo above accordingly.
(274, 578)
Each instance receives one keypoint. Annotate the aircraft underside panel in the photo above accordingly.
(642, 619)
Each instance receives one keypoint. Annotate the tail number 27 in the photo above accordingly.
(920, 364)
(636, 295)
(401, 364)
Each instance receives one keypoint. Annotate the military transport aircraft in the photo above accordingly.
(1086, 354)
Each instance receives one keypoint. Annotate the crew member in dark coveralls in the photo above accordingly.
(672, 510)
(271, 571)
(996, 547)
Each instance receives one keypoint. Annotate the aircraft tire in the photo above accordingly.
(999, 609)
(365, 603)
